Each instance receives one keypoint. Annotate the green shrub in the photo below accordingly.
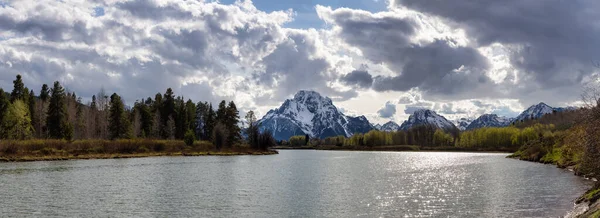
(189, 138)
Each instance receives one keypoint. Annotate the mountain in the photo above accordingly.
(426, 117)
(539, 110)
(310, 113)
(389, 127)
(376, 126)
(462, 123)
(489, 120)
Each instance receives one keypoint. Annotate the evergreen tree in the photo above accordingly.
(56, 120)
(222, 112)
(232, 118)
(146, 118)
(119, 125)
(94, 105)
(44, 93)
(180, 118)
(190, 109)
(210, 121)
(31, 106)
(18, 92)
(4, 105)
(167, 112)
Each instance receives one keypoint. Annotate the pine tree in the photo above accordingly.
(190, 109)
(57, 113)
(232, 118)
(44, 93)
(4, 105)
(18, 92)
(119, 125)
(31, 106)
(167, 112)
(210, 120)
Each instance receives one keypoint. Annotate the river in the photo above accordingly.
(294, 183)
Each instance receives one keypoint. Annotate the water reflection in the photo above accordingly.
(293, 183)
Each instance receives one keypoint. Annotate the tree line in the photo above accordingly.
(59, 114)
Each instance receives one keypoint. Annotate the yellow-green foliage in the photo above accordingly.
(297, 141)
(17, 122)
(441, 138)
(506, 137)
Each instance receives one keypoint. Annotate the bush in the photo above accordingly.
(298, 141)
(266, 140)
(189, 138)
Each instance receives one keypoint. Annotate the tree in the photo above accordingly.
(190, 109)
(17, 122)
(220, 136)
(252, 132)
(210, 120)
(4, 105)
(31, 107)
(119, 126)
(167, 113)
(44, 93)
(232, 118)
(57, 113)
(18, 92)
(189, 138)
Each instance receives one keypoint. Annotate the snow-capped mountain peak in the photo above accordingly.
(310, 113)
(426, 117)
(489, 120)
(390, 126)
(462, 123)
(537, 111)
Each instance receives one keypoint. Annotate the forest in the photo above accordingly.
(57, 121)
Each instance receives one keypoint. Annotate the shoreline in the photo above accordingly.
(395, 148)
(30, 158)
(587, 205)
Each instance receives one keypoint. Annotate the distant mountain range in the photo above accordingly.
(310, 113)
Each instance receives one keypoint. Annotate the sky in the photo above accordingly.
(382, 59)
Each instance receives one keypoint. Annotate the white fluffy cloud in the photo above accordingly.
(413, 55)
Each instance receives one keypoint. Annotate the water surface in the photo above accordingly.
(301, 183)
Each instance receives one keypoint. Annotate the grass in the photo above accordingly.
(34, 150)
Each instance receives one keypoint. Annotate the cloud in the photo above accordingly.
(439, 67)
(358, 78)
(551, 44)
(388, 110)
(410, 109)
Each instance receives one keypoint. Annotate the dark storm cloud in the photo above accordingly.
(387, 111)
(359, 78)
(554, 41)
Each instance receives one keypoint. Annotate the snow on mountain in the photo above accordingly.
(426, 117)
(376, 126)
(539, 110)
(390, 126)
(489, 120)
(462, 123)
(310, 113)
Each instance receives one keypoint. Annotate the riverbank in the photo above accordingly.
(399, 148)
(589, 200)
(48, 150)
